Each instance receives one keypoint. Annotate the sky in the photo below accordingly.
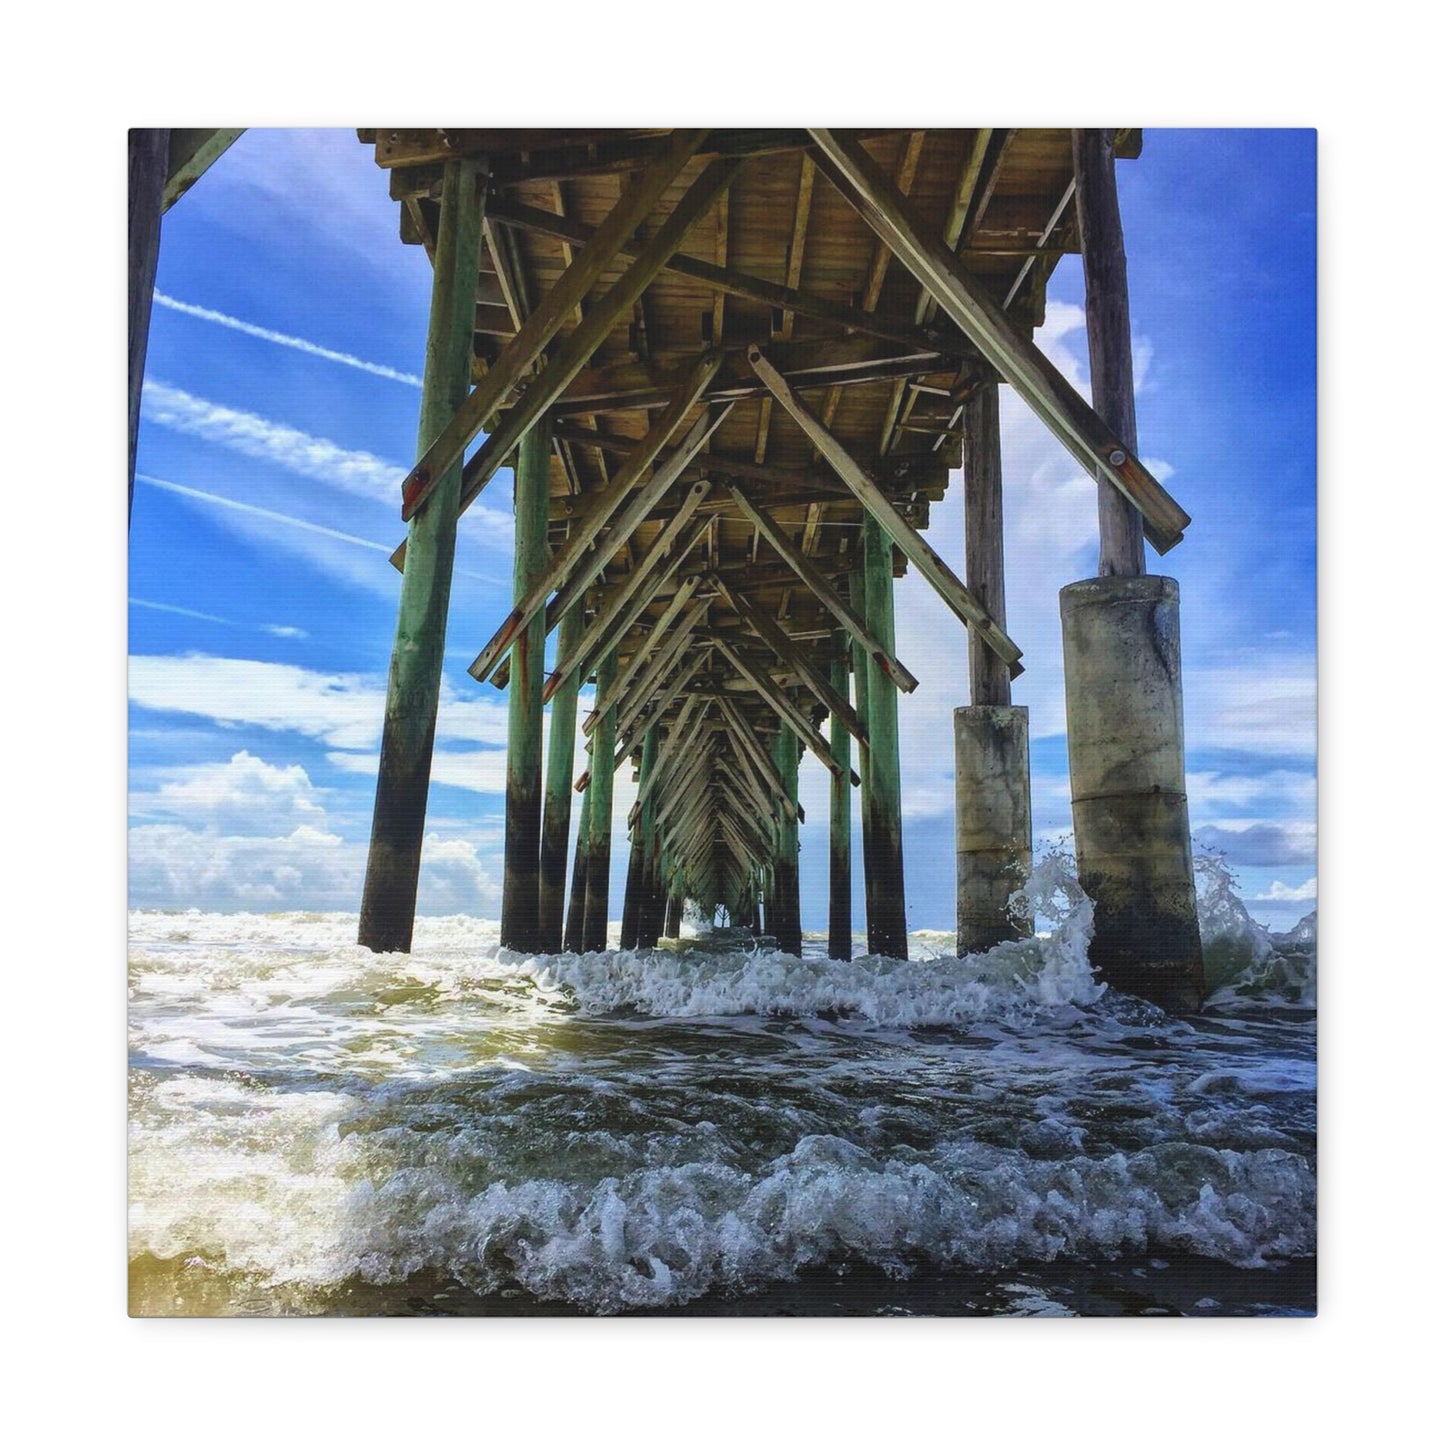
(279, 415)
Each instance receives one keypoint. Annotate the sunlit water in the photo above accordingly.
(318, 1129)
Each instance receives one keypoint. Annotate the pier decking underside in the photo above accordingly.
(717, 634)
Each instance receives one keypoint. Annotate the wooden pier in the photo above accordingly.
(734, 370)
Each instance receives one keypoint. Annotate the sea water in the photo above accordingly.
(716, 1126)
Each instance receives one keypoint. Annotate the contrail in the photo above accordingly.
(296, 343)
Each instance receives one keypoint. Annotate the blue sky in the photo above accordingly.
(262, 603)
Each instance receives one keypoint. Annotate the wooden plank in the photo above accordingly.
(571, 564)
(543, 324)
(1082, 431)
(824, 591)
(964, 605)
(190, 154)
(730, 281)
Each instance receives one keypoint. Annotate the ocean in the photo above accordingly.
(715, 1127)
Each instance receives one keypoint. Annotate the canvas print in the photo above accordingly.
(722, 722)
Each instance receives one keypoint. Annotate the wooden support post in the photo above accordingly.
(1111, 358)
(882, 784)
(521, 895)
(557, 811)
(654, 896)
(786, 922)
(840, 830)
(1091, 441)
(599, 820)
(632, 890)
(988, 675)
(147, 179)
(388, 903)
(577, 900)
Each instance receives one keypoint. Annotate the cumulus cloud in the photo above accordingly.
(244, 795)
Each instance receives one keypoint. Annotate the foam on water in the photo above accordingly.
(623, 1130)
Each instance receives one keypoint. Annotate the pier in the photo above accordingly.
(733, 372)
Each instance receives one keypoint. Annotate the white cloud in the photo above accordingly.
(1282, 788)
(1262, 704)
(360, 473)
(343, 710)
(280, 338)
(1260, 844)
(244, 795)
(1281, 893)
(480, 770)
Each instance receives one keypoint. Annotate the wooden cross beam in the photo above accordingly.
(826, 593)
(762, 760)
(733, 282)
(655, 635)
(191, 153)
(965, 606)
(571, 571)
(544, 323)
(781, 704)
(860, 179)
(605, 628)
(792, 656)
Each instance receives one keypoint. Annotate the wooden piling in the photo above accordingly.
(988, 674)
(149, 156)
(577, 899)
(1111, 356)
(785, 924)
(523, 828)
(388, 902)
(557, 798)
(840, 832)
(882, 784)
(599, 817)
(652, 909)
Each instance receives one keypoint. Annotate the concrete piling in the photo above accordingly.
(1125, 710)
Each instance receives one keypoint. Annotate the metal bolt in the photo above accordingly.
(1117, 457)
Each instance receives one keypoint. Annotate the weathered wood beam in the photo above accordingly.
(855, 360)
(557, 802)
(988, 674)
(1082, 431)
(792, 656)
(521, 891)
(729, 281)
(1111, 358)
(671, 547)
(388, 902)
(544, 323)
(599, 827)
(655, 635)
(190, 154)
(824, 591)
(762, 759)
(146, 166)
(840, 834)
(571, 570)
(779, 701)
(964, 605)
